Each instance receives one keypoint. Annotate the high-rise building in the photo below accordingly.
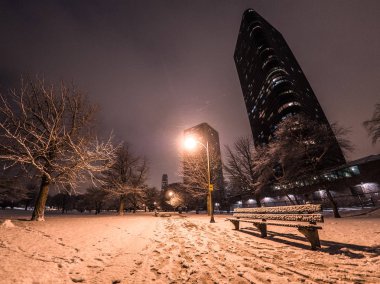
(164, 181)
(205, 134)
(272, 81)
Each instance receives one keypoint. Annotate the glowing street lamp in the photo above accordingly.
(190, 144)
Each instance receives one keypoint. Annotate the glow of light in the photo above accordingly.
(369, 186)
(170, 193)
(190, 143)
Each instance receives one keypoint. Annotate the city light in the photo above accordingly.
(190, 143)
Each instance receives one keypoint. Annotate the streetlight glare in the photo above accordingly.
(190, 143)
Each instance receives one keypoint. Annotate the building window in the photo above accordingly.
(288, 105)
(355, 170)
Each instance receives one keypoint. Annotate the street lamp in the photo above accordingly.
(155, 209)
(190, 143)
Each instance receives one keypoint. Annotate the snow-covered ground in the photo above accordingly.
(141, 248)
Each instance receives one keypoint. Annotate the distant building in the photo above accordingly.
(362, 175)
(273, 84)
(165, 181)
(206, 134)
(356, 183)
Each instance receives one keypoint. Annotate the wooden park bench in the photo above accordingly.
(285, 216)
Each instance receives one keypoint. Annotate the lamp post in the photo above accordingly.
(190, 144)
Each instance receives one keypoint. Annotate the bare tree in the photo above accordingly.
(174, 195)
(126, 177)
(32, 190)
(63, 201)
(241, 167)
(12, 189)
(194, 170)
(135, 198)
(182, 195)
(11, 192)
(49, 129)
(96, 197)
(373, 125)
(151, 197)
(303, 148)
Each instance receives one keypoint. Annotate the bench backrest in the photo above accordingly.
(299, 213)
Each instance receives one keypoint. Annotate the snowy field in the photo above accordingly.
(141, 248)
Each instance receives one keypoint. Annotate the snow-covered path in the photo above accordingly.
(141, 248)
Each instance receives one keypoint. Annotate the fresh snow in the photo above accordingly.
(141, 248)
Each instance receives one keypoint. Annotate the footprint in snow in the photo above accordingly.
(78, 280)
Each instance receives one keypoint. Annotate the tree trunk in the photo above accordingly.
(333, 203)
(64, 205)
(296, 199)
(98, 207)
(121, 206)
(291, 200)
(39, 206)
(258, 202)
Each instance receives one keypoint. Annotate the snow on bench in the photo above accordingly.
(311, 213)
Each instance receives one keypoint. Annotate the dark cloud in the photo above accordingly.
(158, 67)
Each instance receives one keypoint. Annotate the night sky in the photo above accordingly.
(159, 67)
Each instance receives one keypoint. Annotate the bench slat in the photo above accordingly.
(278, 224)
(295, 209)
(283, 217)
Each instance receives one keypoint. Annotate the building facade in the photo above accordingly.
(354, 184)
(164, 181)
(205, 134)
(273, 84)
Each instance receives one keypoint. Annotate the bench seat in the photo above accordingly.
(277, 224)
(311, 213)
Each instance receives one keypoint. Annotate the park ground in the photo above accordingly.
(141, 248)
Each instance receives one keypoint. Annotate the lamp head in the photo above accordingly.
(190, 143)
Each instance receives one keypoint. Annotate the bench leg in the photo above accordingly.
(236, 224)
(312, 236)
(263, 229)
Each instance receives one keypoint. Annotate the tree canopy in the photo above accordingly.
(49, 130)
(126, 177)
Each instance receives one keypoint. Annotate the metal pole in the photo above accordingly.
(212, 220)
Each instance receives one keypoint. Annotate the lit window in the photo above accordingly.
(287, 105)
(347, 174)
(355, 170)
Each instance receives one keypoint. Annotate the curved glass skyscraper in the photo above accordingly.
(272, 81)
